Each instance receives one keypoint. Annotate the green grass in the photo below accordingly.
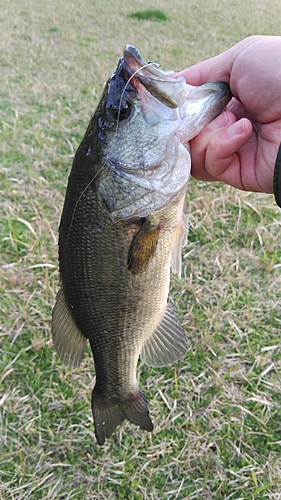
(217, 413)
(152, 14)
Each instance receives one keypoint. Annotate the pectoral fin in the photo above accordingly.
(143, 248)
(68, 340)
(167, 344)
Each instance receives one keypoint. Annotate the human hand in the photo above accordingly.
(240, 146)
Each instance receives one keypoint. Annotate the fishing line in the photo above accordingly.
(150, 63)
(76, 204)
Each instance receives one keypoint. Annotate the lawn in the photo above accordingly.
(216, 413)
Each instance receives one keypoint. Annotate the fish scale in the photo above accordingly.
(122, 228)
(111, 282)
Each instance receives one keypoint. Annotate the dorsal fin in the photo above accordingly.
(68, 340)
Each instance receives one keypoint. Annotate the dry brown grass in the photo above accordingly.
(217, 414)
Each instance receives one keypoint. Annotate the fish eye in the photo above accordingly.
(122, 111)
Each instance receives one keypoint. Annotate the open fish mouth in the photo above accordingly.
(151, 117)
(170, 91)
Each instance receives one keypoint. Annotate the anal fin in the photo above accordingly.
(167, 344)
(69, 341)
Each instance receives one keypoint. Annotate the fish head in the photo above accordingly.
(144, 122)
(138, 95)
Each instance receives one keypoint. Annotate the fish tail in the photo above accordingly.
(108, 414)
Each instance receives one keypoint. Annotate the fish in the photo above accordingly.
(122, 230)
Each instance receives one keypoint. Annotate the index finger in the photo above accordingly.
(216, 69)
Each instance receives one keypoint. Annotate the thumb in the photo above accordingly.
(216, 69)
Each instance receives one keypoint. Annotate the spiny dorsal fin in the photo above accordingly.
(180, 240)
(167, 344)
(68, 340)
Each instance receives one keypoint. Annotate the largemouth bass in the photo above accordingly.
(122, 228)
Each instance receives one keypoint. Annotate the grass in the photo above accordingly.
(217, 413)
(153, 14)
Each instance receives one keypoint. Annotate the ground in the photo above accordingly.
(217, 412)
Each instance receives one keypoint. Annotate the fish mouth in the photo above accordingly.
(170, 91)
(166, 112)
(134, 74)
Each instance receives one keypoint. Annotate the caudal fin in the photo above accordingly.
(108, 414)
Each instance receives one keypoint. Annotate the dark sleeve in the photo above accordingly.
(277, 178)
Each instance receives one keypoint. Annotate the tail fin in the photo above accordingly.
(108, 414)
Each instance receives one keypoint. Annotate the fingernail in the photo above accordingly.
(236, 128)
(220, 121)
